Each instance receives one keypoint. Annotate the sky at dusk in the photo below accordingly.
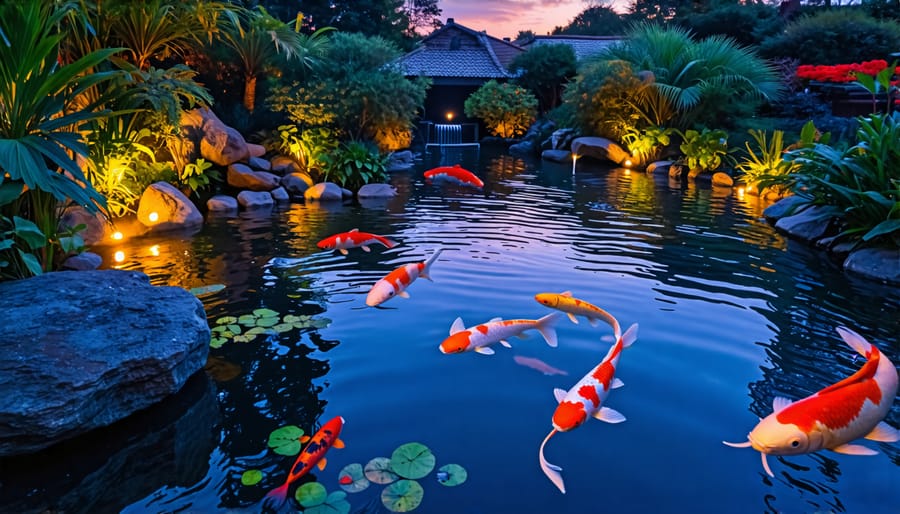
(505, 18)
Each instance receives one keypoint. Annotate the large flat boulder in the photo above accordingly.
(599, 148)
(163, 207)
(83, 349)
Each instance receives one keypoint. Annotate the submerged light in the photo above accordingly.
(154, 250)
(153, 217)
(119, 256)
(117, 235)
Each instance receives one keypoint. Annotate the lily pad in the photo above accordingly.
(286, 440)
(452, 474)
(265, 313)
(217, 342)
(290, 318)
(267, 322)
(311, 494)
(402, 496)
(378, 470)
(251, 477)
(226, 320)
(320, 322)
(335, 503)
(352, 478)
(248, 320)
(283, 327)
(412, 460)
(245, 338)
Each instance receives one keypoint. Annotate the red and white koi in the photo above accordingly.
(575, 307)
(353, 239)
(834, 416)
(456, 173)
(586, 400)
(478, 338)
(311, 456)
(396, 282)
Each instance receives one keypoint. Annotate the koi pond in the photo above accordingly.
(730, 315)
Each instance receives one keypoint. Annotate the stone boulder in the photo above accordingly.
(242, 177)
(377, 191)
(83, 349)
(222, 203)
(722, 179)
(562, 139)
(256, 150)
(524, 148)
(280, 194)
(164, 207)
(83, 261)
(400, 161)
(809, 225)
(258, 163)
(220, 143)
(784, 207)
(324, 192)
(284, 164)
(252, 200)
(556, 155)
(880, 264)
(599, 148)
(297, 183)
(97, 227)
(660, 166)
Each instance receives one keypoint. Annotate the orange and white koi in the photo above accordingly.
(586, 400)
(575, 307)
(396, 282)
(478, 338)
(455, 173)
(834, 416)
(353, 239)
(312, 455)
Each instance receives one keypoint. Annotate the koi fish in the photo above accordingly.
(455, 173)
(585, 400)
(834, 416)
(537, 364)
(396, 282)
(573, 306)
(353, 239)
(312, 455)
(478, 338)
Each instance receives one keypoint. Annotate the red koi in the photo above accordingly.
(455, 173)
(396, 282)
(834, 416)
(312, 455)
(353, 239)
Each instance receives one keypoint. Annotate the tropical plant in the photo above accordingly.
(110, 167)
(354, 164)
(859, 185)
(38, 130)
(602, 99)
(507, 110)
(880, 83)
(704, 151)
(198, 175)
(768, 167)
(645, 145)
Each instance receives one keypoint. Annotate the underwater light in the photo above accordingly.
(117, 235)
(119, 256)
(154, 250)
(153, 217)
(627, 163)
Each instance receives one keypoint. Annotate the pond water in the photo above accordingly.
(730, 315)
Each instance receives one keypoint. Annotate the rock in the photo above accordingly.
(84, 349)
(722, 179)
(255, 199)
(377, 191)
(164, 207)
(556, 155)
(810, 225)
(296, 183)
(222, 203)
(524, 149)
(875, 263)
(284, 164)
(256, 150)
(84, 261)
(676, 171)
(400, 161)
(562, 139)
(346, 193)
(258, 163)
(661, 166)
(97, 227)
(242, 177)
(785, 207)
(599, 148)
(220, 143)
(279, 194)
(324, 192)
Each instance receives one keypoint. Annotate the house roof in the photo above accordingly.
(456, 51)
(584, 46)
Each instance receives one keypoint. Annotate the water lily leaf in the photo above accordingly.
(256, 331)
(210, 289)
(452, 474)
(311, 494)
(283, 327)
(321, 322)
(352, 478)
(226, 320)
(336, 503)
(402, 496)
(219, 328)
(234, 329)
(267, 322)
(248, 320)
(217, 342)
(378, 470)
(286, 440)
(290, 318)
(251, 477)
(412, 460)
(265, 313)
(246, 338)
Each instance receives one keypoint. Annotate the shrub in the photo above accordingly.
(354, 164)
(602, 99)
(507, 110)
(545, 70)
(704, 151)
(645, 145)
(747, 24)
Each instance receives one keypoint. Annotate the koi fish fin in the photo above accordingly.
(457, 326)
(884, 433)
(566, 293)
(322, 463)
(545, 327)
(355, 230)
(572, 317)
(854, 449)
(403, 294)
(745, 444)
(343, 251)
(779, 403)
(559, 394)
(856, 341)
(505, 343)
(765, 464)
(428, 263)
(616, 383)
(305, 439)
(389, 243)
(551, 470)
(593, 321)
(609, 415)
(338, 443)
(630, 336)
(492, 320)
(484, 351)
(277, 496)
(366, 248)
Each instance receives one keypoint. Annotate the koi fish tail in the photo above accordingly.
(389, 243)
(856, 341)
(545, 327)
(277, 496)
(426, 271)
(630, 336)
(551, 470)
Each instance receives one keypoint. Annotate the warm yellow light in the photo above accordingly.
(574, 161)
(154, 250)
(449, 115)
(117, 236)
(627, 163)
(153, 217)
(627, 172)
(119, 256)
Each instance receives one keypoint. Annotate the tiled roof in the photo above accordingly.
(584, 46)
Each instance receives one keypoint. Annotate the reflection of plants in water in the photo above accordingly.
(246, 328)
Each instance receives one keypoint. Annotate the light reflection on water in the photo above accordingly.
(731, 314)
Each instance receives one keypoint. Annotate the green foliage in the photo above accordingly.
(20, 239)
(645, 145)
(198, 175)
(251, 477)
(111, 169)
(770, 165)
(595, 20)
(861, 184)
(309, 147)
(544, 71)
(704, 151)
(354, 164)
(879, 84)
(602, 100)
(747, 24)
(851, 36)
(507, 110)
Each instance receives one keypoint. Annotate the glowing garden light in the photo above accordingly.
(154, 250)
(153, 217)
(119, 256)
(449, 115)
(574, 161)
(117, 236)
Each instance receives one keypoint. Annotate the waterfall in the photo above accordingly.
(448, 134)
